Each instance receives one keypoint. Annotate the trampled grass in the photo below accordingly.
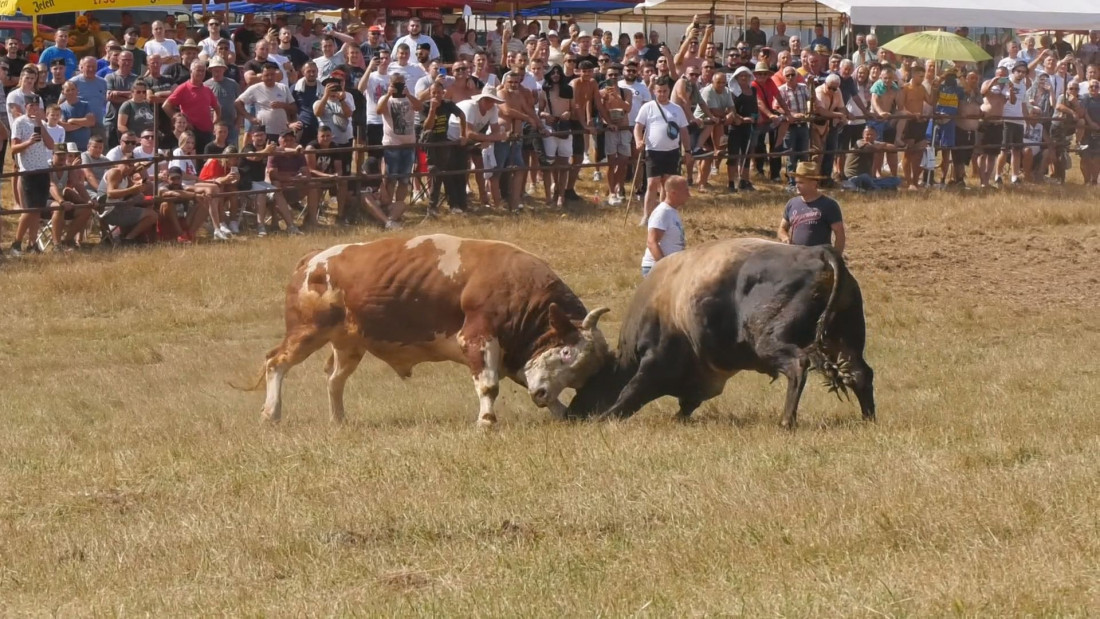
(133, 480)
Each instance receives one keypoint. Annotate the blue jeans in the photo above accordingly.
(865, 182)
(797, 140)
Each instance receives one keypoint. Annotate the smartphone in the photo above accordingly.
(443, 71)
(38, 131)
(235, 170)
(1003, 80)
(399, 89)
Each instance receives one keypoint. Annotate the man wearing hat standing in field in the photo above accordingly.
(811, 217)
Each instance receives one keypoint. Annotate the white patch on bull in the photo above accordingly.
(321, 259)
(449, 260)
(487, 381)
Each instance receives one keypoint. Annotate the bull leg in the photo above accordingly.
(344, 363)
(687, 407)
(642, 389)
(485, 362)
(294, 350)
(796, 372)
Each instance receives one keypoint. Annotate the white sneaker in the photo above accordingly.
(614, 200)
(261, 230)
(294, 231)
(220, 236)
(225, 230)
(235, 227)
(393, 225)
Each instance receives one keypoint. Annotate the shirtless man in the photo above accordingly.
(688, 55)
(516, 110)
(614, 110)
(996, 91)
(464, 87)
(884, 94)
(911, 101)
(585, 97)
(966, 126)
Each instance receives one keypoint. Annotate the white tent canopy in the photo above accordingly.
(1035, 14)
(769, 11)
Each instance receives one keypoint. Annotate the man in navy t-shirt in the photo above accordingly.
(811, 217)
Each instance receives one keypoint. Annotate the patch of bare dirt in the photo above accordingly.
(1040, 267)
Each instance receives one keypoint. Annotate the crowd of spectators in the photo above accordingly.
(531, 106)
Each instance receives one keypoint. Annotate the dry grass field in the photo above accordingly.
(133, 480)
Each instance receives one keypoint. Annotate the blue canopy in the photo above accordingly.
(557, 7)
(258, 7)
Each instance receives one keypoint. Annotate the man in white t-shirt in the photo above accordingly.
(410, 70)
(32, 143)
(273, 102)
(652, 132)
(162, 46)
(665, 233)
(481, 114)
(414, 38)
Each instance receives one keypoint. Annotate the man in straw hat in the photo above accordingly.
(811, 217)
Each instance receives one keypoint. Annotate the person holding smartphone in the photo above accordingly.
(996, 93)
(32, 144)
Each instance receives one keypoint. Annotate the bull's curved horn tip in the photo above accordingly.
(593, 317)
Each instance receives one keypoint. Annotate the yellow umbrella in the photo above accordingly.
(44, 7)
(937, 45)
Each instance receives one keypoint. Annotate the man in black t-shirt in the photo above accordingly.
(443, 156)
(252, 165)
(811, 218)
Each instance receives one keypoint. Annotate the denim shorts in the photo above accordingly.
(399, 162)
(508, 154)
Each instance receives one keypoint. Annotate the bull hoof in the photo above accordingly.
(269, 417)
(487, 423)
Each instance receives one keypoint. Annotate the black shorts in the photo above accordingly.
(344, 158)
(890, 133)
(660, 163)
(915, 130)
(578, 138)
(35, 189)
(964, 141)
(1013, 136)
(992, 135)
(737, 141)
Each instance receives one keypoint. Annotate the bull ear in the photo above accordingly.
(559, 321)
(593, 318)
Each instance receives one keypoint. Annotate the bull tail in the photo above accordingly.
(837, 373)
(256, 386)
(830, 305)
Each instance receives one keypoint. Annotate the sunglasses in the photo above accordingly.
(130, 142)
(146, 137)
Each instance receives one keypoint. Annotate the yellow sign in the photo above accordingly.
(43, 7)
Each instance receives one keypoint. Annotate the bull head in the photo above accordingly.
(576, 352)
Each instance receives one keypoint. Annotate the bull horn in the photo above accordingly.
(593, 317)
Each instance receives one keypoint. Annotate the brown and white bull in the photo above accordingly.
(487, 304)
